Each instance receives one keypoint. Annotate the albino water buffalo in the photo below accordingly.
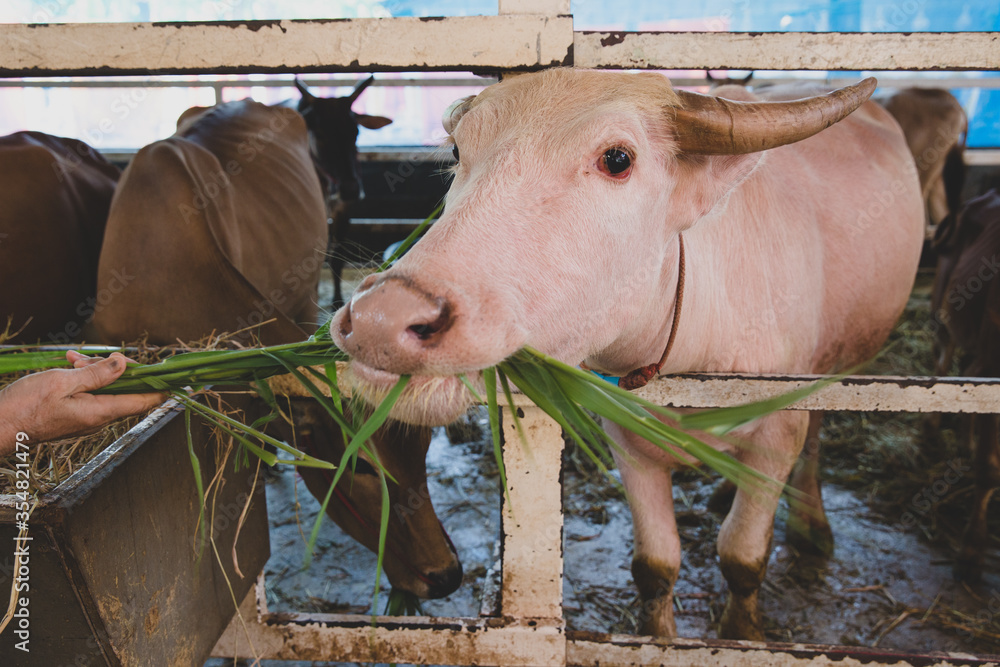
(563, 230)
(55, 193)
(222, 227)
(333, 133)
(967, 300)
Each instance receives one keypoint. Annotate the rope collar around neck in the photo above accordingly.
(641, 376)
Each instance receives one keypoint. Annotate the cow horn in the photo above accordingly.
(360, 88)
(715, 126)
(303, 90)
(454, 113)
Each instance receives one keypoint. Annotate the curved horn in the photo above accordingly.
(360, 88)
(715, 126)
(303, 90)
(454, 113)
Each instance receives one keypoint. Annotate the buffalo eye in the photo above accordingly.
(616, 162)
(454, 151)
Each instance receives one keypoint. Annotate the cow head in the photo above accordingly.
(333, 131)
(560, 230)
(419, 556)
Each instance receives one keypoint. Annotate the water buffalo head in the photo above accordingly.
(560, 229)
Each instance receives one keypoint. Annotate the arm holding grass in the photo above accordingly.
(55, 403)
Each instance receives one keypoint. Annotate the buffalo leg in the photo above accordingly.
(656, 556)
(986, 457)
(808, 529)
(745, 538)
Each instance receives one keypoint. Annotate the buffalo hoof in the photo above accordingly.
(741, 620)
(656, 618)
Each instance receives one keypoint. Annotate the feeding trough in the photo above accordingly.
(111, 572)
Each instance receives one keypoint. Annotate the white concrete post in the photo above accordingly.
(533, 521)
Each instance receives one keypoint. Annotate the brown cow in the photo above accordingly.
(222, 224)
(222, 227)
(56, 194)
(967, 301)
(935, 125)
(588, 191)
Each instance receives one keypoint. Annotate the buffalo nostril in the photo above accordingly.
(346, 326)
(425, 331)
(445, 582)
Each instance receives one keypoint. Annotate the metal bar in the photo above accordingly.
(874, 393)
(462, 43)
(174, 82)
(788, 50)
(587, 649)
(854, 392)
(449, 641)
(416, 640)
(954, 80)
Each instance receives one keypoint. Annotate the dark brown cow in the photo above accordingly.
(333, 130)
(222, 227)
(967, 301)
(56, 194)
(935, 125)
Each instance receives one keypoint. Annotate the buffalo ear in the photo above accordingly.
(703, 181)
(371, 122)
(454, 113)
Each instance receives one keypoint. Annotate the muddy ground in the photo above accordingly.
(889, 582)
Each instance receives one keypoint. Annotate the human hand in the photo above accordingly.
(55, 403)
